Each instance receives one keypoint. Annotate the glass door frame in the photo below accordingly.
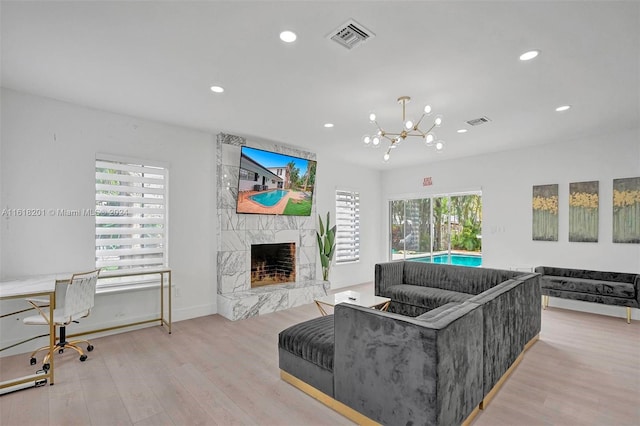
(431, 198)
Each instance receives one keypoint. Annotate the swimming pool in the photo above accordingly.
(453, 259)
(269, 199)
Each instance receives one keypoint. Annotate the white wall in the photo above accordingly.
(334, 174)
(48, 156)
(506, 181)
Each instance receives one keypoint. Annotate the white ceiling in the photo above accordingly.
(157, 60)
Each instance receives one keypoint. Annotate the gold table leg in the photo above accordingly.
(321, 309)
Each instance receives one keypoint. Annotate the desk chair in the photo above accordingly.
(77, 303)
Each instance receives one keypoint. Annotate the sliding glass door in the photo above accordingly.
(442, 229)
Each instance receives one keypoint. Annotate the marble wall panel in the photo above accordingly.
(306, 272)
(285, 222)
(234, 241)
(224, 138)
(230, 155)
(273, 302)
(227, 198)
(308, 222)
(259, 222)
(286, 236)
(308, 238)
(307, 255)
(228, 178)
(236, 283)
(229, 220)
(232, 271)
(260, 236)
(238, 308)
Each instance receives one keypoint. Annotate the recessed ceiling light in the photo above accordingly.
(527, 56)
(328, 125)
(462, 131)
(217, 89)
(288, 36)
(563, 108)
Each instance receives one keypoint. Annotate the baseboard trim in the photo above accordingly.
(492, 393)
(531, 342)
(471, 417)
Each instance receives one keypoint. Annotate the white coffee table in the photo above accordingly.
(355, 298)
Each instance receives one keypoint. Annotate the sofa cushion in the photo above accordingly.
(311, 340)
(439, 312)
(591, 286)
(427, 297)
(619, 277)
(454, 278)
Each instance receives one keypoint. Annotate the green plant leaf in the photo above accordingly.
(331, 236)
(321, 226)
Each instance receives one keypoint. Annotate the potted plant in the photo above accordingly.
(326, 246)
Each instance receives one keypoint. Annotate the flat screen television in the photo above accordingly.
(274, 183)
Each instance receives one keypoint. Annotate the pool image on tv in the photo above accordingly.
(274, 183)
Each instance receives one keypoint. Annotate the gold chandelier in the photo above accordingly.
(410, 129)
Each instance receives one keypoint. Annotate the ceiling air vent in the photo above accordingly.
(351, 34)
(478, 121)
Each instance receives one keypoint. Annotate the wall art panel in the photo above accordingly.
(584, 208)
(626, 210)
(545, 212)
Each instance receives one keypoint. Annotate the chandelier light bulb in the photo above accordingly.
(366, 139)
(427, 109)
(375, 141)
(386, 157)
(430, 139)
(408, 124)
(372, 117)
(439, 146)
(438, 120)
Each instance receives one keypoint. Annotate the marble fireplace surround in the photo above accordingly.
(237, 232)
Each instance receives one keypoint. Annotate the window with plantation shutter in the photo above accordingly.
(347, 226)
(131, 219)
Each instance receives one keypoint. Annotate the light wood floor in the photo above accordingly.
(585, 370)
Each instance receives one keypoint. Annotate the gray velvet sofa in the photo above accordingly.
(609, 288)
(436, 368)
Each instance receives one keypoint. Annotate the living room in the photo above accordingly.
(60, 115)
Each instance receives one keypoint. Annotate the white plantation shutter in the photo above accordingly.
(131, 225)
(348, 226)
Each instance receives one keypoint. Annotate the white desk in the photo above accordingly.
(22, 289)
(45, 285)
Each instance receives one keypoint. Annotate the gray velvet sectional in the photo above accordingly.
(609, 288)
(454, 334)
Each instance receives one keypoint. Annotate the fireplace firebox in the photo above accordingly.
(273, 264)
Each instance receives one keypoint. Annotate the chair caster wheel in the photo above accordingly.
(83, 358)
(46, 367)
(60, 351)
(90, 348)
(32, 361)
